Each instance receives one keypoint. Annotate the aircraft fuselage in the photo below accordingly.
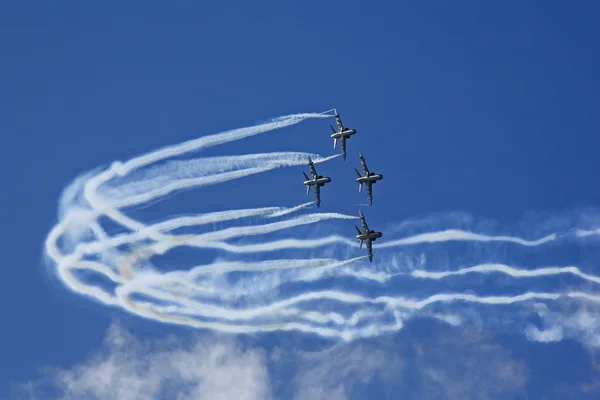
(346, 133)
(372, 235)
(369, 178)
(318, 181)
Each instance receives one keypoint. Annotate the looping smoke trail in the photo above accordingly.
(335, 297)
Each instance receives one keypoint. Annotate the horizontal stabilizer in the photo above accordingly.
(358, 173)
(333, 129)
(306, 176)
(358, 230)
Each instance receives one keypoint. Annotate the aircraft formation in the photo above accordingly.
(368, 178)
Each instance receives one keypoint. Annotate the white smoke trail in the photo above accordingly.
(430, 237)
(508, 270)
(455, 235)
(212, 140)
(335, 297)
(212, 171)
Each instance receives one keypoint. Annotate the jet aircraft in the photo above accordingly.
(369, 178)
(367, 235)
(317, 181)
(342, 133)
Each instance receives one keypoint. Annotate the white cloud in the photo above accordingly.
(128, 369)
(340, 373)
(425, 360)
(554, 334)
(465, 364)
(586, 325)
(574, 320)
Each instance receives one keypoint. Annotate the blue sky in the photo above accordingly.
(481, 117)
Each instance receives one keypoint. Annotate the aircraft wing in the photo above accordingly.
(338, 121)
(318, 195)
(311, 166)
(363, 164)
(369, 192)
(363, 222)
(370, 249)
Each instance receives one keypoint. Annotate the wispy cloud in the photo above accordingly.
(424, 360)
(345, 371)
(464, 364)
(129, 369)
(444, 363)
